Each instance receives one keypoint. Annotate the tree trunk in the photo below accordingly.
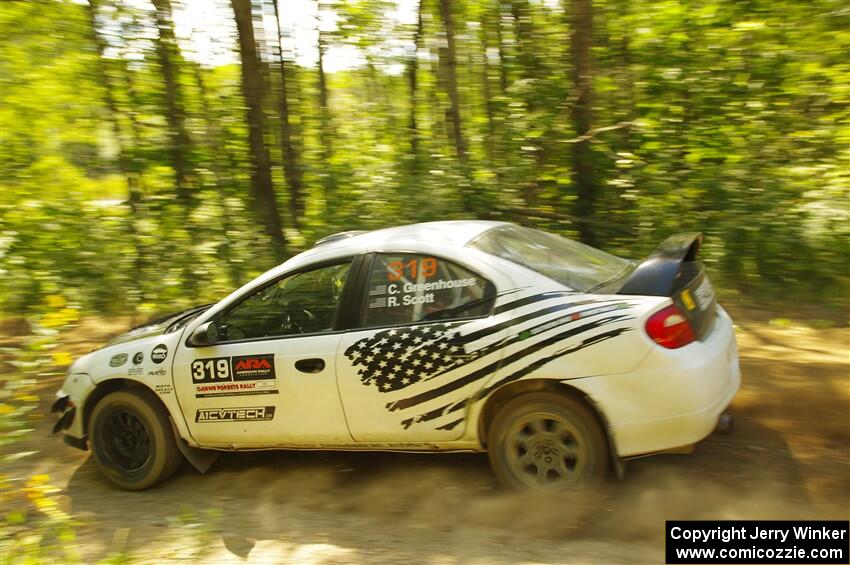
(134, 192)
(325, 128)
(291, 162)
(529, 71)
(489, 103)
(583, 177)
(503, 69)
(112, 107)
(451, 80)
(323, 92)
(524, 33)
(215, 153)
(252, 90)
(136, 163)
(168, 54)
(412, 72)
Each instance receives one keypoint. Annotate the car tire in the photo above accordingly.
(545, 440)
(132, 440)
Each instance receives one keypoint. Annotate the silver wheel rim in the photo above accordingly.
(545, 450)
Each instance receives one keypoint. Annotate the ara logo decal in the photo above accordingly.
(252, 363)
(253, 367)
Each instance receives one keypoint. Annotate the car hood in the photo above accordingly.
(159, 325)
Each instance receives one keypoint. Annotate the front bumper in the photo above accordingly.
(69, 404)
(65, 406)
(79, 443)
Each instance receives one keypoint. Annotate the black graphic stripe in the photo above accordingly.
(496, 328)
(593, 340)
(534, 330)
(450, 425)
(484, 371)
(396, 358)
(449, 408)
(530, 300)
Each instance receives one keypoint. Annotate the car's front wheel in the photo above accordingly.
(132, 440)
(546, 440)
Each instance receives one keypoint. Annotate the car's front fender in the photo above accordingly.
(145, 362)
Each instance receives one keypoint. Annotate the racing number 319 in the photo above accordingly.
(210, 369)
(427, 267)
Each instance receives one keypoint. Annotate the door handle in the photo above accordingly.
(314, 365)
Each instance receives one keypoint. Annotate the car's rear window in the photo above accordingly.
(563, 260)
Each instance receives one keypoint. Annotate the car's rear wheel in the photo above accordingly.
(546, 440)
(132, 440)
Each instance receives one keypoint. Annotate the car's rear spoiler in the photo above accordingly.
(661, 274)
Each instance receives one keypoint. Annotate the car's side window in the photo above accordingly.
(408, 287)
(303, 303)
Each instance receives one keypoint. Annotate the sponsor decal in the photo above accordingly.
(159, 353)
(234, 376)
(248, 414)
(164, 388)
(235, 389)
(138, 358)
(158, 373)
(118, 360)
(253, 367)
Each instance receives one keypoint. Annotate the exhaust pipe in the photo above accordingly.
(725, 424)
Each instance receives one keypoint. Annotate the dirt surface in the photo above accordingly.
(788, 458)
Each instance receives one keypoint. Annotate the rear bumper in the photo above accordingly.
(674, 398)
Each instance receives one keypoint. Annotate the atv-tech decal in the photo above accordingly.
(250, 414)
(395, 359)
(234, 376)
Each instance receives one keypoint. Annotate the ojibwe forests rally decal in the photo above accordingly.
(423, 369)
(234, 376)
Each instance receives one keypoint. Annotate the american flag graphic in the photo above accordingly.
(436, 360)
(395, 358)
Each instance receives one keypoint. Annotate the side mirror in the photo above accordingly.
(205, 334)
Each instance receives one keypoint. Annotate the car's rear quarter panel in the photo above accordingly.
(673, 397)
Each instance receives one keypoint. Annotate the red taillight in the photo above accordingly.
(669, 328)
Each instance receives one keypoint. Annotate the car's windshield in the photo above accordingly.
(568, 262)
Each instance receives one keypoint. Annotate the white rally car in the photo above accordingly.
(556, 358)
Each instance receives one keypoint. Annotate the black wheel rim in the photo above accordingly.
(545, 450)
(125, 439)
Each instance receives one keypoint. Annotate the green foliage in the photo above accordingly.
(733, 120)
